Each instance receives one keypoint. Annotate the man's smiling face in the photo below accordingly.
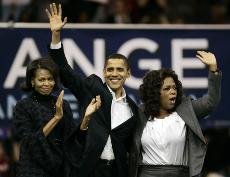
(115, 73)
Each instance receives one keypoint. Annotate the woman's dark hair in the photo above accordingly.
(150, 90)
(41, 63)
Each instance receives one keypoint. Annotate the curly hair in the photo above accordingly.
(150, 90)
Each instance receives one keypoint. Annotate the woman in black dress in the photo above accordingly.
(42, 122)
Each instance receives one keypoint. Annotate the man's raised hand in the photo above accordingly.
(55, 17)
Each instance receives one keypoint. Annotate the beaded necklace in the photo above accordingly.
(48, 102)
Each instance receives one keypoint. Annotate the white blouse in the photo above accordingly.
(163, 141)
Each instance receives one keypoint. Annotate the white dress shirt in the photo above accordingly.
(120, 112)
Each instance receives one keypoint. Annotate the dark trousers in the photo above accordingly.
(163, 171)
(105, 169)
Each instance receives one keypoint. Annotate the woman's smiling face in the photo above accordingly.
(43, 81)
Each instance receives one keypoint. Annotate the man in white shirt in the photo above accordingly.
(103, 139)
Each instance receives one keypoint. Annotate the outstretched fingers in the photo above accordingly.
(48, 13)
(55, 9)
(51, 10)
(59, 10)
(64, 21)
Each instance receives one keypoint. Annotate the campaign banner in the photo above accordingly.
(147, 47)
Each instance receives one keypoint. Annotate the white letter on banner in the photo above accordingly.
(74, 54)
(1, 113)
(27, 47)
(179, 63)
(11, 102)
(146, 64)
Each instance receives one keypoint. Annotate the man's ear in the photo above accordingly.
(129, 73)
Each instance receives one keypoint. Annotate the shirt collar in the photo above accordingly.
(122, 98)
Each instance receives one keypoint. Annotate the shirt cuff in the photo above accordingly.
(55, 46)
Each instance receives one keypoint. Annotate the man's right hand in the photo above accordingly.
(55, 18)
(94, 105)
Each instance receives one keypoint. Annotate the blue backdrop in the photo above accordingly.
(147, 47)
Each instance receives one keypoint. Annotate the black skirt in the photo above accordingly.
(163, 171)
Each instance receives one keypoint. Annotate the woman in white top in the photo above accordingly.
(169, 141)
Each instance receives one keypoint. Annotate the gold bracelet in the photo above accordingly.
(84, 129)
